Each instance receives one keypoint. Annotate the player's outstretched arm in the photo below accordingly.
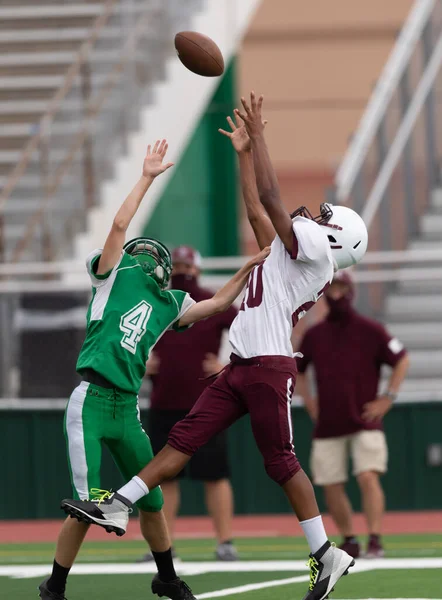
(256, 214)
(152, 167)
(225, 296)
(268, 186)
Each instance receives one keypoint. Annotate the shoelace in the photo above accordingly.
(100, 496)
(314, 571)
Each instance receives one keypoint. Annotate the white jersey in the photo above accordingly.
(281, 290)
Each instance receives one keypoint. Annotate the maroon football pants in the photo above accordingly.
(261, 386)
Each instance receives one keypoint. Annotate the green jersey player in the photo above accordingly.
(130, 310)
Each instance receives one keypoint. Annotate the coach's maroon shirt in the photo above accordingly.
(181, 378)
(347, 355)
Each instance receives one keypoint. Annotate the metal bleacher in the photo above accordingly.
(87, 66)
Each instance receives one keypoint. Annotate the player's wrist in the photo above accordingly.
(147, 179)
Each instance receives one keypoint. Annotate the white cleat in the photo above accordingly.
(111, 511)
(327, 566)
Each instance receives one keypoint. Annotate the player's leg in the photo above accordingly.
(131, 452)
(329, 466)
(216, 409)
(268, 394)
(210, 464)
(82, 432)
(159, 424)
(370, 457)
(172, 498)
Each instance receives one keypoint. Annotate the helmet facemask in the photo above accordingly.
(154, 258)
(323, 218)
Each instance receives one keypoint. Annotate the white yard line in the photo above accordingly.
(199, 568)
(251, 587)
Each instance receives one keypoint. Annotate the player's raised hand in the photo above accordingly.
(153, 163)
(252, 115)
(238, 135)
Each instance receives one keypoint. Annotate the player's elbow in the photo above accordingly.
(119, 224)
(220, 304)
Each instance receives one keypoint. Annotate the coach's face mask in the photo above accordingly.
(184, 282)
(340, 308)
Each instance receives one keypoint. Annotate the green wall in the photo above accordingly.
(35, 475)
(200, 203)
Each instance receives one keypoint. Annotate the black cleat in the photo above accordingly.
(327, 566)
(46, 594)
(176, 589)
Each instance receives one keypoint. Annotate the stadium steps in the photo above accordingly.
(418, 335)
(38, 43)
(413, 310)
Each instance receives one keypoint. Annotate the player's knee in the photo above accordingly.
(282, 468)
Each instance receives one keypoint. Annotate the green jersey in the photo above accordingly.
(127, 315)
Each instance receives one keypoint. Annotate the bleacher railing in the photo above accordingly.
(392, 164)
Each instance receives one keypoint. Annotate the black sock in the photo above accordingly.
(375, 537)
(57, 581)
(350, 539)
(164, 563)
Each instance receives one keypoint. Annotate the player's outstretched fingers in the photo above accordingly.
(253, 100)
(149, 149)
(226, 133)
(240, 115)
(260, 101)
(245, 105)
(232, 124)
(155, 148)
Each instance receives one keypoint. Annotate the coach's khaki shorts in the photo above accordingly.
(329, 459)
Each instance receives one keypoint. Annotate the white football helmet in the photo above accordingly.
(346, 232)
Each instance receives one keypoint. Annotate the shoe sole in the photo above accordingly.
(83, 517)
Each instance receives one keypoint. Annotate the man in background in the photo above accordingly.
(180, 368)
(347, 351)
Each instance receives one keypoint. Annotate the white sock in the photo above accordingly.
(314, 532)
(134, 489)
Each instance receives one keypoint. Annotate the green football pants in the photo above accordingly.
(95, 415)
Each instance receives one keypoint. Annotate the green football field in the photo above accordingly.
(269, 568)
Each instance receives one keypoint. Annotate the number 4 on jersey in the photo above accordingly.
(134, 324)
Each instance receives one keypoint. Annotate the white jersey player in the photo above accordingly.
(260, 378)
(281, 290)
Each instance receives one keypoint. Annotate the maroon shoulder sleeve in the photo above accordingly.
(306, 350)
(390, 349)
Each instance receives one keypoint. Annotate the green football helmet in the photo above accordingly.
(153, 256)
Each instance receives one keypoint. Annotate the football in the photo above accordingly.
(199, 54)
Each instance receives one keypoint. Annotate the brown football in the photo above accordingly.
(199, 53)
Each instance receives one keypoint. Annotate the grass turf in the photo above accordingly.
(282, 548)
(397, 583)
(419, 583)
